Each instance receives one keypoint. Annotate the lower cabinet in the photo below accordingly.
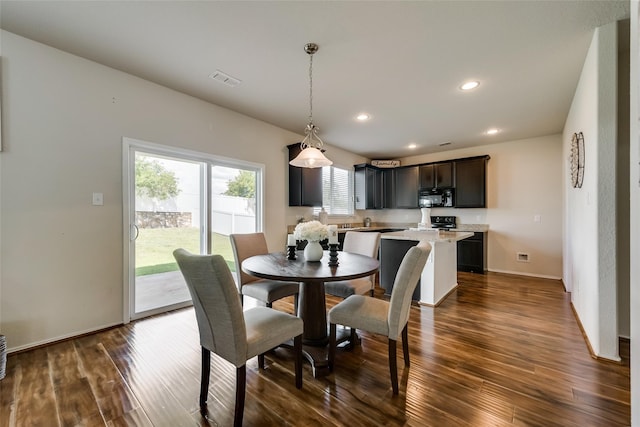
(472, 253)
(391, 254)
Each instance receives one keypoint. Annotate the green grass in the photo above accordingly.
(155, 246)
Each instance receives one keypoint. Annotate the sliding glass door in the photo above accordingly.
(168, 207)
(177, 199)
(233, 207)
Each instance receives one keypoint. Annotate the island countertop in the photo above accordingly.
(429, 235)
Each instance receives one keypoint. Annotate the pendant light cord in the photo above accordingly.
(310, 88)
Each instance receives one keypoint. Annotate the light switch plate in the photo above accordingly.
(98, 199)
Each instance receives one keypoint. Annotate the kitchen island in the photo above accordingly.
(439, 277)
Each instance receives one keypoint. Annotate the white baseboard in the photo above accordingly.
(519, 273)
(58, 338)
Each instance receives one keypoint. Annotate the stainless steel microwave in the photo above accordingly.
(436, 197)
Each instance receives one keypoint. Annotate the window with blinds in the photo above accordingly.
(337, 191)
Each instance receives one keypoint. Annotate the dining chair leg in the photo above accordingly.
(332, 345)
(261, 361)
(297, 348)
(393, 366)
(295, 305)
(241, 383)
(204, 379)
(405, 345)
(353, 338)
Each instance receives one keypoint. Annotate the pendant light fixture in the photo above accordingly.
(311, 155)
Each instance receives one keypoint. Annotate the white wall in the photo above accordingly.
(634, 183)
(590, 235)
(64, 120)
(523, 180)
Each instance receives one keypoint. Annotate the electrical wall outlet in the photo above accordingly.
(522, 257)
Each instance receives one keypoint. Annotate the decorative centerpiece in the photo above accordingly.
(312, 232)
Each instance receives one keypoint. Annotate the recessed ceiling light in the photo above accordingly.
(412, 146)
(492, 131)
(470, 85)
(363, 117)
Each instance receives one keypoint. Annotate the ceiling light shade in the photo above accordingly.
(311, 155)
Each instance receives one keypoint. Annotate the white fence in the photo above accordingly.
(226, 223)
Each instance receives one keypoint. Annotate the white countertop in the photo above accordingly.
(429, 235)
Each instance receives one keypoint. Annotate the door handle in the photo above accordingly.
(137, 232)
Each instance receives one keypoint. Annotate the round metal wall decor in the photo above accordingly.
(576, 160)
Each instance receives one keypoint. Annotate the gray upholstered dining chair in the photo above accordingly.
(265, 290)
(382, 317)
(363, 243)
(227, 331)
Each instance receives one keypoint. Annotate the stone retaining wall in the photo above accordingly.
(146, 219)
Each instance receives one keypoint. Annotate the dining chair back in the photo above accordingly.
(382, 317)
(265, 290)
(363, 243)
(226, 330)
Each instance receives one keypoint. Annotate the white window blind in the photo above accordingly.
(337, 191)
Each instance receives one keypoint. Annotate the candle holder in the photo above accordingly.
(291, 252)
(333, 255)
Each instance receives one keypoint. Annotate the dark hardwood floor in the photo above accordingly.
(500, 351)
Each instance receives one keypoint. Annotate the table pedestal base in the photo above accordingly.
(315, 339)
(318, 357)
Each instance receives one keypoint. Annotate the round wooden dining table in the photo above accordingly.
(311, 300)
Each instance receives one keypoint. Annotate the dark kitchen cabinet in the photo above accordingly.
(470, 182)
(436, 175)
(368, 187)
(472, 253)
(305, 185)
(391, 253)
(388, 189)
(406, 187)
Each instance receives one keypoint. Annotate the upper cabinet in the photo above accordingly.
(368, 187)
(470, 182)
(374, 187)
(388, 188)
(397, 188)
(436, 175)
(305, 185)
(407, 184)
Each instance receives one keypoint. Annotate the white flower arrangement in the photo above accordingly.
(311, 230)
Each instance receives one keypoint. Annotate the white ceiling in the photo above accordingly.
(401, 62)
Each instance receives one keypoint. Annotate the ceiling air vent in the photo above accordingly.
(226, 79)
